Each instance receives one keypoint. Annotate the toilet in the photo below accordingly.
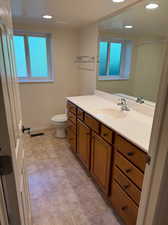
(60, 122)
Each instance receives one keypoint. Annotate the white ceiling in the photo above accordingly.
(144, 22)
(65, 12)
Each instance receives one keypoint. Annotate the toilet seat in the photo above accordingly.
(59, 118)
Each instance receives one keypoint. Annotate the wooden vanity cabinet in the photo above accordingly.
(71, 126)
(71, 108)
(131, 152)
(116, 165)
(92, 123)
(101, 161)
(80, 114)
(83, 143)
(126, 184)
(123, 205)
(71, 135)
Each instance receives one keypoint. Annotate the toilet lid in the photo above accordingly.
(59, 118)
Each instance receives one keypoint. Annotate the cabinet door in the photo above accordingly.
(71, 135)
(83, 143)
(100, 163)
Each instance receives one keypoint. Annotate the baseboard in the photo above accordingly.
(40, 129)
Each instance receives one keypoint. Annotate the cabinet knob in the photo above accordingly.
(130, 153)
(128, 170)
(126, 186)
(105, 134)
(124, 208)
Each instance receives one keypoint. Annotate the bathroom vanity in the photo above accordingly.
(113, 149)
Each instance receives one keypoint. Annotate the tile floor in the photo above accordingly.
(60, 191)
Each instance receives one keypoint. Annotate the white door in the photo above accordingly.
(11, 140)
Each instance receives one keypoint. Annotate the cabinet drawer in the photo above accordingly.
(131, 152)
(92, 123)
(106, 133)
(127, 185)
(71, 108)
(80, 114)
(129, 169)
(123, 205)
(72, 117)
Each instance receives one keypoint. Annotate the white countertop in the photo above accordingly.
(132, 125)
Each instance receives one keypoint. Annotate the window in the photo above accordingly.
(114, 60)
(32, 53)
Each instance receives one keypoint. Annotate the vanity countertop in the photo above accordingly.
(133, 125)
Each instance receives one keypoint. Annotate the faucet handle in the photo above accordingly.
(140, 99)
(122, 101)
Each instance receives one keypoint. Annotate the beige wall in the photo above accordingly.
(40, 101)
(147, 62)
(88, 38)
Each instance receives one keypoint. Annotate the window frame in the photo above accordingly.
(123, 74)
(29, 78)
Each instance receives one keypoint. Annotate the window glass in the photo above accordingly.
(20, 56)
(103, 48)
(115, 58)
(38, 56)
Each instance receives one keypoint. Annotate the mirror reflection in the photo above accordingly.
(131, 50)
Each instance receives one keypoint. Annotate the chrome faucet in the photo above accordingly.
(140, 100)
(123, 104)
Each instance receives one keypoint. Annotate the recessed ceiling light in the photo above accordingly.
(118, 1)
(152, 6)
(48, 17)
(128, 26)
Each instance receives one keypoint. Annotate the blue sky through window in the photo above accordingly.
(103, 58)
(20, 56)
(115, 58)
(31, 56)
(38, 56)
(109, 58)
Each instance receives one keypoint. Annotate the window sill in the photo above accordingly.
(34, 81)
(113, 77)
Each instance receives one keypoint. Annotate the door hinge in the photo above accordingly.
(5, 165)
(26, 129)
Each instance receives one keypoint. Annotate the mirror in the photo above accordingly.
(131, 50)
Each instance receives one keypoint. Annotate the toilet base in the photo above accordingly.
(60, 132)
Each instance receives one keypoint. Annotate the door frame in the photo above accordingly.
(3, 211)
(9, 195)
(155, 173)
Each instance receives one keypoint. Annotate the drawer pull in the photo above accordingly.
(130, 153)
(128, 170)
(105, 134)
(124, 208)
(126, 186)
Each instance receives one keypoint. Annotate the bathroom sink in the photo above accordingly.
(112, 112)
